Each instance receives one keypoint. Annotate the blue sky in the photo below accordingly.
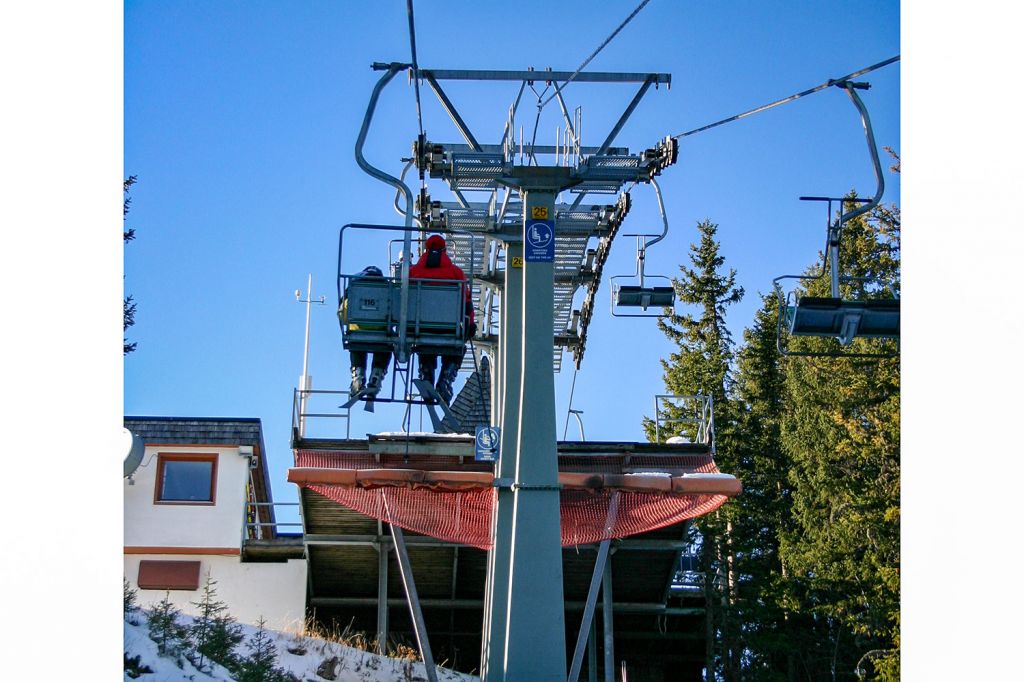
(240, 121)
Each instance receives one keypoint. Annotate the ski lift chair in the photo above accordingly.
(641, 295)
(871, 315)
(371, 322)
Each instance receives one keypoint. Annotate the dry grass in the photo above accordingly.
(313, 630)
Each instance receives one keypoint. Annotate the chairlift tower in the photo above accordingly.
(543, 245)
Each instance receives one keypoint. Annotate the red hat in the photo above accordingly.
(435, 242)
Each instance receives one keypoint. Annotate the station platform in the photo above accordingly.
(431, 486)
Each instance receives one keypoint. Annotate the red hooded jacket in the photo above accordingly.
(434, 263)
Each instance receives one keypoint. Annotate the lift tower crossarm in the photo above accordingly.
(543, 76)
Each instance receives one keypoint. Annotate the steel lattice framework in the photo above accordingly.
(583, 232)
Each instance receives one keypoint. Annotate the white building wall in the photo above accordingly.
(275, 591)
(184, 525)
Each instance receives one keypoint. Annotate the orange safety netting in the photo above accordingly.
(439, 497)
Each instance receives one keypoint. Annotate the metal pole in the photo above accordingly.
(492, 660)
(577, 413)
(401, 351)
(452, 112)
(609, 631)
(541, 76)
(420, 627)
(595, 585)
(588, 611)
(625, 116)
(535, 639)
(382, 599)
(309, 295)
(305, 381)
(592, 652)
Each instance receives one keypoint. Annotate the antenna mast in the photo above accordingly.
(305, 381)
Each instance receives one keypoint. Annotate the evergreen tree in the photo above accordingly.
(129, 302)
(214, 633)
(842, 435)
(164, 628)
(703, 364)
(261, 663)
(767, 632)
(131, 597)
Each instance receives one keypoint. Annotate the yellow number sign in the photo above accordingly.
(517, 261)
(539, 212)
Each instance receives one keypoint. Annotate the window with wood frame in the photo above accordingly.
(186, 478)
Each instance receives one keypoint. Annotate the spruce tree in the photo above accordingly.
(131, 597)
(261, 663)
(842, 433)
(214, 633)
(164, 628)
(768, 632)
(703, 365)
(129, 301)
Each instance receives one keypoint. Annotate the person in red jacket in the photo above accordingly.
(434, 263)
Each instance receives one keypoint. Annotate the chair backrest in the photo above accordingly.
(435, 314)
(369, 303)
(436, 307)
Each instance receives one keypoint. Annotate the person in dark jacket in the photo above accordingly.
(357, 358)
(434, 263)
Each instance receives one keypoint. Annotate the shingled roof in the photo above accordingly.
(208, 431)
(472, 406)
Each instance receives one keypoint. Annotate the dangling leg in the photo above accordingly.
(449, 371)
(378, 372)
(358, 361)
(428, 363)
(425, 377)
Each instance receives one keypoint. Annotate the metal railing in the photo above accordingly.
(258, 524)
(300, 401)
(691, 416)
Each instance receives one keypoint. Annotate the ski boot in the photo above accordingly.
(376, 380)
(425, 374)
(358, 380)
(445, 381)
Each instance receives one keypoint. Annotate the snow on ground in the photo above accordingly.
(354, 665)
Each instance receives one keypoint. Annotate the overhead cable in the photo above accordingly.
(599, 48)
(827, 84)
(415, 64)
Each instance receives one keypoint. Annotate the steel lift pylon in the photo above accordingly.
(524, 628)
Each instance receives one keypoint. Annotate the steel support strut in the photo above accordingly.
(492, 659)
(585, 633)
(535, 640)
(596, 581)
(382, 599)
(405, 568)
(607, 603)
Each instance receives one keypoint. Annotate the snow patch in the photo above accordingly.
(355, 665)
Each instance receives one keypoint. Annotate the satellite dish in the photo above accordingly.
(134, 449)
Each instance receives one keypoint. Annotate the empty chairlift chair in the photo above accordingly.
(844, 320)
(641, 294)
(875, 315)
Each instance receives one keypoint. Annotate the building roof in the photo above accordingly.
(231, 431)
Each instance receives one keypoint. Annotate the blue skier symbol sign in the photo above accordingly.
(539, 241)
(488, 438)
